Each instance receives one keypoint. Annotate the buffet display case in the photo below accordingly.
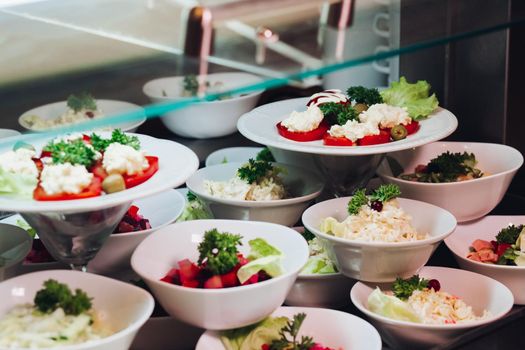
(137, 56)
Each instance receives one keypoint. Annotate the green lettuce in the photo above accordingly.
(255, 336)
(17, 184)
(391, 307)
(415, 97)
(263, 256)
(318, 265)
(195, 210)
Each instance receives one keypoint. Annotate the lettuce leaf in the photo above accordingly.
(391, 307)
(17, 184)
(195, 210)
(255, 336)
(415, 97)
(263, 256)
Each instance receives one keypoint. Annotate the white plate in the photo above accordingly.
(176, 164)
(259, 125)
(108, 108)
(232, 154)
(335, 329)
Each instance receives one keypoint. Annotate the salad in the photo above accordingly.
(221, 265)
(374, 218)
(273, 333)
(57, 318)
(194, 209)
(76, 166)
(447, 167)
(80, 108)
(362, 116)
(421, 301)
(318, 261)
(507, 249)
(257, 180)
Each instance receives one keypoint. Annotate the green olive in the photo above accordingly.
(398, 132)
(360, 107)
(113, 183)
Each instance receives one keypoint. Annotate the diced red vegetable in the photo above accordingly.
(330, 140)
(230, 279)
(502, 248)
(188, 270)
(313, 135)
(214, 282)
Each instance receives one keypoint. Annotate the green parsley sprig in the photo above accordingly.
(382, 194)
(361, 94)
(336, 113)
(509, 234)
(403, 288)
(289, 336)
(254, 170)
(265, 155)
(74, 152)
(219, 251)
(83, 101)
(359, 199)
(56, 295)
(190, 84)
(117, 136)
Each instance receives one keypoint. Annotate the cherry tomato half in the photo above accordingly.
(313, 135)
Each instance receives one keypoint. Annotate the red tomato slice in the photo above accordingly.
(93, 190)
(412, 127)
(313, 135)
(330, 140)
(383, 137)
(137, 179)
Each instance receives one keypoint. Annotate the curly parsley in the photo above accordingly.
(358, 200)
(56, 295)
(219, 251)
(289, 336)
(509, 234)
(254, 170)
(403, 288)
(336, 113)
(360, 94)
(74, 152)
(83, 101)
(382, 194)
(117, 136)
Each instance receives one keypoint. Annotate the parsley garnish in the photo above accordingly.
(358, 200)
(265, 155)
(403, 288)
(336, 113)
(360, 94)
(58, 295)
(117, 136)
(82, 101)
(254, 170)
(308, 235)
(74, 152)
(384, 193)
(509, 234)
(190, 196)
(447, 167)
(190, 84)
(289, 336)
(219, 251)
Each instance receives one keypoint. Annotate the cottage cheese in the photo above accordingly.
(386, 116)
(123, 159)
(327, 96)
(354, 130)
(391, 224)
(304, 121)
(238, 189)
(65, 178)
(19, 162)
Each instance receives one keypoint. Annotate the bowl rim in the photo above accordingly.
(457, 183)
(130, 327)
(204, 291)
(235, 97)
(258, 204)
(227, 149)
(385, 245)
(466, 325)
(132, 124)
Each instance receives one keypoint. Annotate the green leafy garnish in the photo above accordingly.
(74, 152)
(265, 155)
(403, 288)
(414, 97)
(359, 199)
(360, 94)
(289, 336)
(254, 170)
(117, 136)
(58, 295)
(191, 196)
(509, 234)
(384, 193)
(219, 251)
(82, 101)
(336, 113)
(190, 84)
(308, 235)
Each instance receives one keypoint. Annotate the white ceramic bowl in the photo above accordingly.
(8, 133)
(15, 244)
(382, 261)
(232, 154)
(123, 306)
(303, 185)
(161, 210)
(108, 107)
(481, 292)
(217, 309)
(466, 200)
(204, 119)
(487, 228)
(335, 329)
(315, 290)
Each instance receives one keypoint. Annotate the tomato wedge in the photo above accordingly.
(383, 137)
(330, 140)
(412, 127)
(313, 135)
(137, 179)
(93, 190)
